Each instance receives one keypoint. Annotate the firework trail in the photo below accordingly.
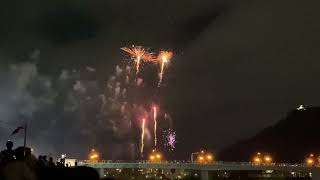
(170, 137)
(164, 57)
(155, 125)
(138, 64)
(139, 54)
(142, 136)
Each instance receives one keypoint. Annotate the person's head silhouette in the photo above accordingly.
(9, 145)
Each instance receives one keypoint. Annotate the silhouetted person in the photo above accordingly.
(21, 167)
(51, 163)
(62, 162)
(7, 155)
(45, 161)
(19, 153)
(40, 158)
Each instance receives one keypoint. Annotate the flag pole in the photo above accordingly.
(25, 138)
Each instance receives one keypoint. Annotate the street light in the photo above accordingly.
(257, 159)
(262, 158)
(202, 157)
(310, 160)
(155, 156)
(267, 159)
(94, 155)
(151, 158)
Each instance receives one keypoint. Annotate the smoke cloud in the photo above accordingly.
(67, 113)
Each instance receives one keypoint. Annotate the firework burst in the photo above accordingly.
(138, 53)
(170, 139)
(164, 57)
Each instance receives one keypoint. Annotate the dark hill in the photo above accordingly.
(290, 140)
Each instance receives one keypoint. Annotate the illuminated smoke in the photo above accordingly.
(84, 112)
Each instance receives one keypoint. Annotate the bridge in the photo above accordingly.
(203, 168)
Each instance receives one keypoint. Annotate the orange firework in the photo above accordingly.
(164, 57)
(139, 54)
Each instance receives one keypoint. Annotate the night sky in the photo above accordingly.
(238, 66)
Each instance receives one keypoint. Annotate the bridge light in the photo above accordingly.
(257, 160)
(158, 156)
(310, 161)
(267, 159)
(151, 158)
(94, 155)
(262, 158)
(155, 156)
(209, 158)
(201, 158)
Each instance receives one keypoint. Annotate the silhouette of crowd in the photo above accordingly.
(21, 164)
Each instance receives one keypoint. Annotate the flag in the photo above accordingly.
(16, 130)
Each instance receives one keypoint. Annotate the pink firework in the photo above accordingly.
(170, 139)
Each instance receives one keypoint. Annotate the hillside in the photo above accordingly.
(289, 140)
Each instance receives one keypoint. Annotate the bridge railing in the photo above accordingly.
(222, 163)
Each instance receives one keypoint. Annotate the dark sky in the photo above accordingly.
(238, 66)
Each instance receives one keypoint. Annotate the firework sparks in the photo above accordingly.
(142, 135)
(164, 57)
(170, 138)
(124, 97)
(139, 54)
(155, 125)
